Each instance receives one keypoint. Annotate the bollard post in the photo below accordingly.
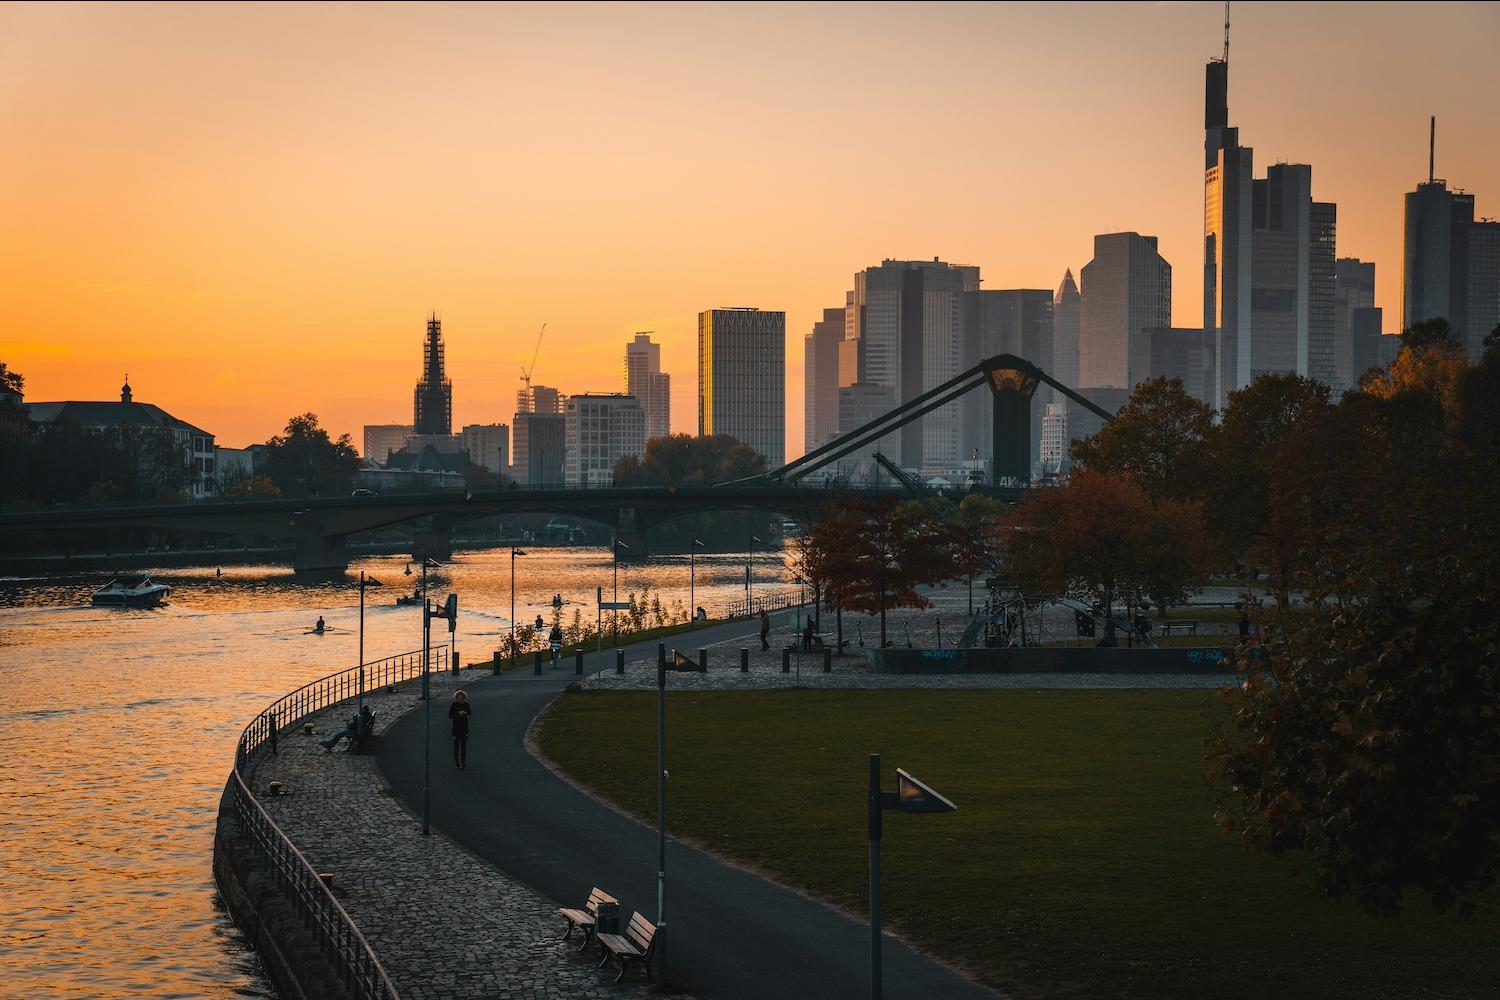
(536, 663)
(827, 660)
(744, 660)
(578, 661)
(495, 663)
(661, 654)
(455, 664)
(786, 660)
(703, 658)
(619, 661)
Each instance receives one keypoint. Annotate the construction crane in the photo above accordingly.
(526, 371)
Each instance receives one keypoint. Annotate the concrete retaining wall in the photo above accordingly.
(1053, 660)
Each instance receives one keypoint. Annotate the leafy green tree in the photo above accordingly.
(11, 381)
(681, 459)
(305, 461)
(1157, 439)
(1242, 457)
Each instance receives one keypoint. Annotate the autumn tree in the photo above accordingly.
(1099, 536)
(1157, 439)
(11, 381)
(253, 487)
(682, 459)
(1364, 735)
(305, 461)
(883, 551)
(977, 532)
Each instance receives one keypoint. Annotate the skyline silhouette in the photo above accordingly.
(251, 212)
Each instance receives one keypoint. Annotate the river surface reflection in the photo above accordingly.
(117, 731)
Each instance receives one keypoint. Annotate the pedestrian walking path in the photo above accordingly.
(733, 934)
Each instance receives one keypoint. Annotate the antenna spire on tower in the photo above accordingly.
(1431, 147)
(1226, 31)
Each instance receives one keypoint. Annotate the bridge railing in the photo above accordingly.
(342, 944)
(775, 601)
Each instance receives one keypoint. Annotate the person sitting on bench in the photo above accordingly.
(359, 725)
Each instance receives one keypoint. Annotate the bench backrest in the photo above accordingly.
(597, 896)
(641, 932)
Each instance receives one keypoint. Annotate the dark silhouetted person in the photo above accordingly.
(765, 629)
(459, 712)
(319, 627)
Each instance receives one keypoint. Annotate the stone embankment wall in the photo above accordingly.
(288, 951)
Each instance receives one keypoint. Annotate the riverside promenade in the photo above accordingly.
(733, 934)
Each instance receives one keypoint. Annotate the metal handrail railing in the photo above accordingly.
(765, 602)
(340, 940)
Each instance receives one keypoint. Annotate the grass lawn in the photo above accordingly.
(1083, 860)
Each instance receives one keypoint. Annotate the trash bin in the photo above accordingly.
(607, 919)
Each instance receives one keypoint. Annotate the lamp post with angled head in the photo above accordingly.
(659, 941)
(426, 698)
(614, 615)
(749, 558)
(692, 583)
(513, 553)
(364, 582)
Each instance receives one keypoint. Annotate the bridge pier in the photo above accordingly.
(432, 543)
(1011, 434)
(318, 553)
(630, 530)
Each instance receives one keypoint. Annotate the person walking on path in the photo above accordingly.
(765, 629)
(459, 712)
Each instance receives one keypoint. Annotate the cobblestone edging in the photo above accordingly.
(446, 925)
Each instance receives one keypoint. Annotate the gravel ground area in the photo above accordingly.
(947, 620)
(446, 925)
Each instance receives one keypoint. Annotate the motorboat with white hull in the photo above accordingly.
(131, 592)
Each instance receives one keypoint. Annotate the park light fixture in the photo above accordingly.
(427, 616)
(365, 582)
(679, 663)
(911, 795)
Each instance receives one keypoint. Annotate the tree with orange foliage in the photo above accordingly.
(1099, 536)
(881, 552)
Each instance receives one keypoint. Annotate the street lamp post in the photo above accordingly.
(681, 663)
(910, 796)
(692, 583)
(614, 614)
(749, 558)
(364, 581)
(426, 700)
(513, 553)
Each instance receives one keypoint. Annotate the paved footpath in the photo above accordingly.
(733, 934)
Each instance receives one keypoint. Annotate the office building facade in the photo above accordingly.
(1228, 169)
(600, 430)
(1353, 288)
(903, 328)
(382, 439)
(1174, 353)
(1067, 323)
(651, 386)
(820, 380)
(742, 378)
(1127, 288)
(538, 449)
(488, 446)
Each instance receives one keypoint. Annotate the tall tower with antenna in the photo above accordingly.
(432, 406)
(1228, 173)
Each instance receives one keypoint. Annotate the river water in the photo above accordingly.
(118, 727)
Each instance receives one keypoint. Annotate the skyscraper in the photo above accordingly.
(382, 439)
(820, 356)
(1173, 352)
(742, 378)
(432, 406)
(1354, 288)
(903, 329)
(1228, 169)
(1015, 321)
(539, 446)
(1067, 321)
(1127, 288)
(651, 386)
(487, 445)
(1292, 280)
(1450, 264)
(539, 399)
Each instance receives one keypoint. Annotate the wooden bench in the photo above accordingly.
(1188, 625)
(585, 918)
(634, 947)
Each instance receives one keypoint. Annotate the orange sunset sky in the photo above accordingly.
(252, 209)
